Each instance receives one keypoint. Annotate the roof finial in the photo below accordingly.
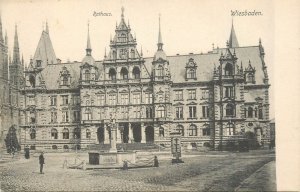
(142, 51)
(160, 43)
(47, 28)
(88, 46)
(105, 52)
(122, 15)
(259, 41)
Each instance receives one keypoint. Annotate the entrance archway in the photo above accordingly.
(137, 133)
(100, 134)
(149, 134)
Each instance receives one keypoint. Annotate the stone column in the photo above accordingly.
(106, 135)
(113, 141)
(130, 133)
(143, 133)
(118, 134)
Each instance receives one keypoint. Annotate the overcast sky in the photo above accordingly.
(187, 26)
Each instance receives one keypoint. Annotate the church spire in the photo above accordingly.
(159, 43)
(88, 46)
(47, 28)
(1, 34)
(16, 53)
(233, 42)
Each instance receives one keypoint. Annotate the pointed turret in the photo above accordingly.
(88, 57)
(44, 51)
(47, 28)
(88, 46)
(16, 53)
(159, 43)
(160, 54)
(233, 42)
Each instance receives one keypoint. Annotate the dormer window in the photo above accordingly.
(38, 63)
(160, 71)
(191, 68)
(32, 81)
(65, 81)
(87, 75)
(250, 74)
(64, 77)
(228, 69)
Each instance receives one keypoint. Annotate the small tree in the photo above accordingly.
(11, 140)
(253, 143)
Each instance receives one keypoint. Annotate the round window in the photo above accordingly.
(250, 124)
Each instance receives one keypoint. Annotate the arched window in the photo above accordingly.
(132, 53)
(54, 134)
(160, 112)
(88, 114)
(136, 73)
(193, 130)
(260, 113)
(65, 80)
(191, 74)
(160, 71)
(180, 129)
(32, 81)
(77, 133)
(228, 69)
(88, 134)
(124, 73)
(161, 132)
(54, 147)
(112, 74)
(32, 134)
(87, 75)
(65, 133)
(149, 112)
(229, 110)
(114, 54)
(250, 78)
(250, 112)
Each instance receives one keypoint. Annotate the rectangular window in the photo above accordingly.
(205, 94)
(192, 112)
(124, 99)
(31, 101)
(205, 111)
(192, 94)
(179, 95)
(206, 132)
(137, 113)
(65, 116)
(179, 112)
(112, 99)
(76, 115)
(148, 98)
(65, 99)
(101, 100)
(124, 113)
(136, 98)
(53, 117)
(53, 100)
(260, 113)
(229, 92)
(76, 100)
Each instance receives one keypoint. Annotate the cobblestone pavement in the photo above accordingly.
(199, 173)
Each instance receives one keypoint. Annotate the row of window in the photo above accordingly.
(251, 113)
(192, 94)
(65, 134)
(192, 112)
(192, 131)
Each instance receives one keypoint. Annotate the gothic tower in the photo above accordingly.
(161, 80)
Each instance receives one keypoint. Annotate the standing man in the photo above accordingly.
(42, 162)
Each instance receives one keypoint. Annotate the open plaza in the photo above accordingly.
(201, 171)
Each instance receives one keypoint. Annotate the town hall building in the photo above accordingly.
(208, 98)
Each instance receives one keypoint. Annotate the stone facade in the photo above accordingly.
(208, 97)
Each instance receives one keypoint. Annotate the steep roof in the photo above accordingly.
(205, 63)
(45, 51)
(233, 42)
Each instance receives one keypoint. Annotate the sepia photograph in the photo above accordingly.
(138, 95)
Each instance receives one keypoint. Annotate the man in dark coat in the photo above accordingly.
(42, 162)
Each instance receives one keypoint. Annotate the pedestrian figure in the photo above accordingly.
(27, 154)
(125, 165)
(42, 162)
(156, 164)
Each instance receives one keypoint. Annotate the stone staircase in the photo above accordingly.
(6, 157)
(126, 147)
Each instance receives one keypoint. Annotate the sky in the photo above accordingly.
(189, 26)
